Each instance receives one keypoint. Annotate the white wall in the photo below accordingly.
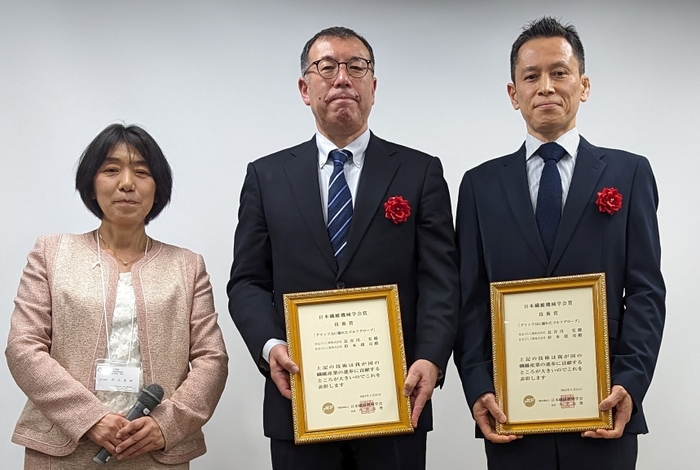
(215, 84)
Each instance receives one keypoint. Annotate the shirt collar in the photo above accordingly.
(569, 140)
(357, 147)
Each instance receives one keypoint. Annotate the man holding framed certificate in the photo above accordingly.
(344, 210)
(544, 235)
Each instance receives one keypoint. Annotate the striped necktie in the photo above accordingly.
(339, 204)
(548, 209)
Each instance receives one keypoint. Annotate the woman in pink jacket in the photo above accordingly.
(100, 315)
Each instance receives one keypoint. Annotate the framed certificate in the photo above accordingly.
(348, 344)
(551, 364)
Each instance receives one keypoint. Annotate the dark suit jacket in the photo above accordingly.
(498, 240)
(282, 246)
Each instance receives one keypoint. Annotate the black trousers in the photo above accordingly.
(565, 451)
(406, 452)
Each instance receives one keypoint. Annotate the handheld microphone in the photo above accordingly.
(149, 398)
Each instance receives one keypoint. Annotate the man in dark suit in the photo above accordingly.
(545, 211)
(313, 217)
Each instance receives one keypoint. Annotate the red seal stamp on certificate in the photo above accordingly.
(567, 401)
(367, 407)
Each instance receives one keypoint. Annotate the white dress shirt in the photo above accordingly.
(352, 171)
(534, 163)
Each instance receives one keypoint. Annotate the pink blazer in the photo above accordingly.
(57, 332)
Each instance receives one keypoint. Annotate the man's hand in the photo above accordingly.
(486, 412)
(139, 436)
(419, 385)
(104, 432)
(280, 368)
(621, 403)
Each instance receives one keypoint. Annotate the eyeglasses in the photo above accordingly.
(357, 67)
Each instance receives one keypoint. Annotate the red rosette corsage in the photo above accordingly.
(609, 200)
(397, 209)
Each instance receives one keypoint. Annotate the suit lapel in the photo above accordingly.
(514, 179)
(302, 172)
(589, 168)
(378, 170)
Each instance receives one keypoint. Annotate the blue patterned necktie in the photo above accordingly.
(548, 209)
(339, 204)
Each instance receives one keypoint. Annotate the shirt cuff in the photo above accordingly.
(271, 343)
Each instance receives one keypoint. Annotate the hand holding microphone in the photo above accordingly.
(148, 399)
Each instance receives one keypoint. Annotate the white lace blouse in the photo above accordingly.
(122, 342)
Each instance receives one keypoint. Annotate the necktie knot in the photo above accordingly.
(551, 151)
(340, 156)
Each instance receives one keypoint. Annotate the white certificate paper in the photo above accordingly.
(550, 371)
(348, 373)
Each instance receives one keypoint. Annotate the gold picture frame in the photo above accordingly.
(348, 344)
(551, 361)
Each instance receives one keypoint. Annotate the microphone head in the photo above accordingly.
(151, 395)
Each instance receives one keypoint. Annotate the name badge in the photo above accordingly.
(113, 376)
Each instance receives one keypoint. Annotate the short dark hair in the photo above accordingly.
(334, 32)
(548, 27)
(137, 139)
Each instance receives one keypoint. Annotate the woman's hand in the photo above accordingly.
(104, 432)
(138, 437)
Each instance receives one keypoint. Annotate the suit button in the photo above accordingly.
(340, 285)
